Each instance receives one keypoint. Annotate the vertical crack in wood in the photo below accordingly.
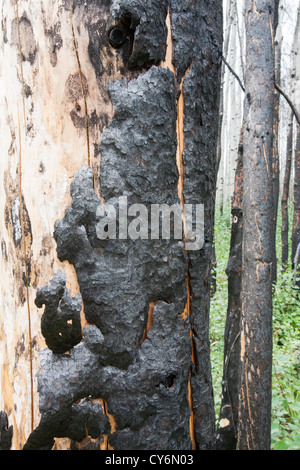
(149, 322)
(82, 86)
(168, 63)
(180, 166)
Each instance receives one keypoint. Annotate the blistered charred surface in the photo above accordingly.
(6, 432)
(118, 280)
(139, 146)
(143, 270)
(228, 419)
(149, 400)
(60, 324)
(82, 419)
(147, 21)
(256, 329)
(136, 350)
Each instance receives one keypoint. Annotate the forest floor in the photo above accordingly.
(286, 341)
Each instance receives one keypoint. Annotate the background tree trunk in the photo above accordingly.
(256, 329)
(233, 97)
(106, 99)
(296, 220)
(296, 101)
(285, 196)
(227, 433)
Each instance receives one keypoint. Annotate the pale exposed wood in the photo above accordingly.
(39, 163)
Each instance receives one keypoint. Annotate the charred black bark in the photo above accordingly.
(296, 219)
(227, 433)
(258, 249)
(60, 325)
(118, 281)
(136, 351)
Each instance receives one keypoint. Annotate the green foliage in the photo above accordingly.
(286, 364)
(219, 302)
(286, 341)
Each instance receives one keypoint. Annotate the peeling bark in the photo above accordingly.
(201, 110)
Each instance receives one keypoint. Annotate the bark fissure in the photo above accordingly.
(258, 231)
(168, 63)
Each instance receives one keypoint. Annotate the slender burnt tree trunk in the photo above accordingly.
(227, 433)
(285, 196)
(275, 159)
(258, 249)
(296, 220)
(105, 343)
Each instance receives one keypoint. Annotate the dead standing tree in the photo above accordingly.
(227, 432)
(296, 100)
(106, 99)
(286, 194)
(258, 212)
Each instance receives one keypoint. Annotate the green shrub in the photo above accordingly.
(286, 341)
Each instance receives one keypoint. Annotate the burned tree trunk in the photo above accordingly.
(275, 159)
(285, 196)
(296, 100)
(227, 433)
(296, 220)
(6, 432)
(201, 111)
(109, 106)
(258, 210)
